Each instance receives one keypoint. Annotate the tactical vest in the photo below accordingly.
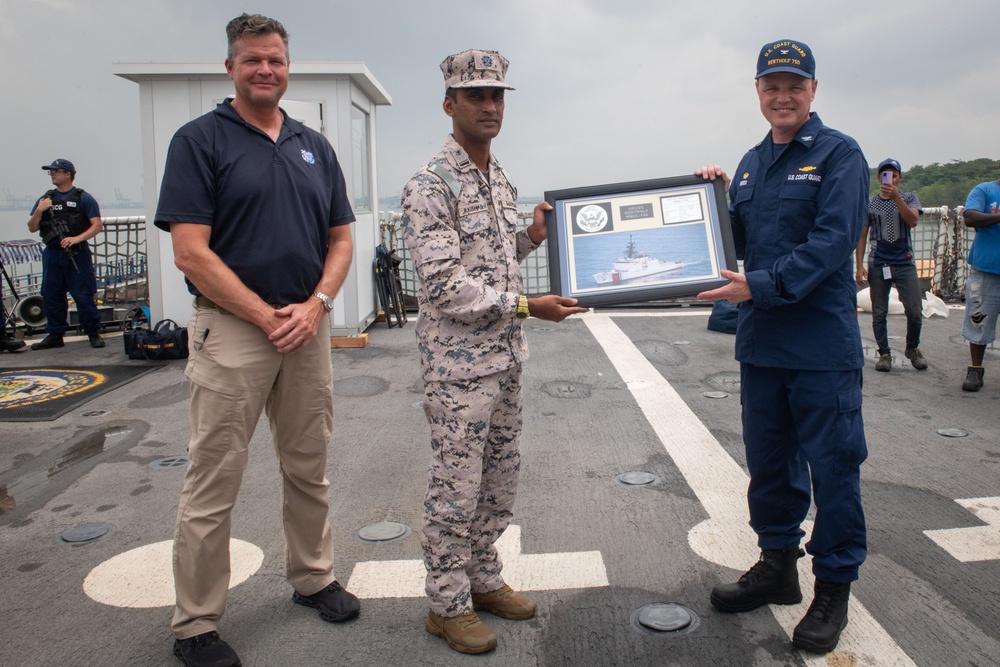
(65, 218)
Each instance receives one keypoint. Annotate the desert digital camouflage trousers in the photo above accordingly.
(471, 484)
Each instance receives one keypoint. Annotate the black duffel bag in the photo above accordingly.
(162, 342)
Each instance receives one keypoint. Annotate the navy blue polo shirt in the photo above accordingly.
(797, 211)
(270, 204)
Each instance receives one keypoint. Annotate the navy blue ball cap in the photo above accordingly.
(889, 162)
(61, 163)
(786, 55)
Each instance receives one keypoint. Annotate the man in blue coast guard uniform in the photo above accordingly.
(67, 218)
(797, 205)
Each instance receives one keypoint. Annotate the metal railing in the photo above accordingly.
(120, 267)
(940, 244)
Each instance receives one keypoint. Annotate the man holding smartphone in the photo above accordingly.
(891, 216)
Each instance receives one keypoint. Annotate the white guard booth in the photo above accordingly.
(338, 99)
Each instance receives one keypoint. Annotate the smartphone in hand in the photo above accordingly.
(887, 177)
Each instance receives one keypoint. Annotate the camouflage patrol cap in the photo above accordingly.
(475, 69)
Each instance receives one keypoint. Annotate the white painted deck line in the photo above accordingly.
(523, 572)
(975, 543)
(720, 485)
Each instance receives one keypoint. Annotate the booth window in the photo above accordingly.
(361, 160)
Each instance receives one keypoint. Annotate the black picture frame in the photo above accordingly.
(639, 241)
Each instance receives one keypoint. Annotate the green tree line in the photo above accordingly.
(944, 184)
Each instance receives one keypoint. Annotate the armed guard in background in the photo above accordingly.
(67, 218)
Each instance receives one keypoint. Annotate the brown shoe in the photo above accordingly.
(465, 633)
(505, 603)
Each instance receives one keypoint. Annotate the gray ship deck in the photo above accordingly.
(606, 393)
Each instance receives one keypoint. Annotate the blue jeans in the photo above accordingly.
(908, 288)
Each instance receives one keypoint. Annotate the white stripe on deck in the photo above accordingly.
(976, 543)
(524, 572)
(721, 484)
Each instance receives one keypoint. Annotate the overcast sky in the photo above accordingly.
(607, 90)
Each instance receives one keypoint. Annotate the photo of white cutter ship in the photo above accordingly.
(634, 265)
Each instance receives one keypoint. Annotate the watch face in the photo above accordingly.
(327, 301)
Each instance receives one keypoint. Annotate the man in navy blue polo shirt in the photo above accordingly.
(891, 216)
(797, 205)
(258, 211)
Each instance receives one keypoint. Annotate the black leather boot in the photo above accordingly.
(774, 579)
(819, 630)
(9, 344)
(47, 343)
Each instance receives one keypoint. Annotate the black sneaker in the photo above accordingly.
(206, 650)
(95, 340)
(819, 630)
(8, 344)
(49, 342)
(334, 603)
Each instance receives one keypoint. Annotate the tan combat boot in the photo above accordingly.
(505, 603)
(465, 633)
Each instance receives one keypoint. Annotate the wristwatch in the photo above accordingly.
(522, 312)
(327, 301)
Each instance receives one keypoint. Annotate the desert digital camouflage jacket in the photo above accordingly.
(461, 231)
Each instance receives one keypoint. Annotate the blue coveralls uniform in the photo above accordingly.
(62, 273)
(797, 211)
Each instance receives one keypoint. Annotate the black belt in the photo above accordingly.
(205, 302)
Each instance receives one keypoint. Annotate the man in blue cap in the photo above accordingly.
(797, 205)
(891, 216)
(67, 218)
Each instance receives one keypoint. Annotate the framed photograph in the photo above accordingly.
(640, 241)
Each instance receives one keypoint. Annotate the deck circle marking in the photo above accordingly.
(170, 462)
(143, 578)
(86, 533)
(385, 531)
(666, 618)
(638, 478)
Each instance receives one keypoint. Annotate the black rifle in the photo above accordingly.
(58, 230)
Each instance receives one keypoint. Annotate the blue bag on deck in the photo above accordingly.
(723, 317)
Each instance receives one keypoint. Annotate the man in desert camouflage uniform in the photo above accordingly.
(460, 226)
